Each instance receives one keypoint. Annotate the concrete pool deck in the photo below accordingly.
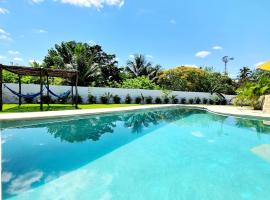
(219, 109)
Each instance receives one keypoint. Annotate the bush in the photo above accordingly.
(223, 102)
(205, 101)
(166, 100)
(138, 100)
(47, 99)
(198, 100)
(74, 99)
(158, 100)
(175, 101)
(116, 99)
(92, 99)
(217, 101)
(28, 100)
(211, 102)
(104, 99)
(190, 101)
(141, 82)
(149, 100)
(128, 99)
(183, 100)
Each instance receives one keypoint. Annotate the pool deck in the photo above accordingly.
(225, 110)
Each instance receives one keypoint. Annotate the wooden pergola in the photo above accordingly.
(40, 72)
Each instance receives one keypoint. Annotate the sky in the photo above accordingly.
(168, 32)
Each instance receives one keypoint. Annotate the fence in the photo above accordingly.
(8, 97)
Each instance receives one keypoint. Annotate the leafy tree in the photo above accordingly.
(250, 92)
(90, 61)
(244, 75)
(139, 83)
(139, 66)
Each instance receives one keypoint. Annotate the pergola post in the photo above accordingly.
(41, 89)
(76, 90)
(1, 89)
(48, 86)
(20, 90)
(72, 93)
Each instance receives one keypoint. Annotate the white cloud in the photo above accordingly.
(172, 21)
(131, 56)
(202, 54)
(94, 3)
(2, 57)
(217, 47)
(4, 11)
(41, 31)
(18, 59)
(13, 52)
(24, 182)
(149, 56)
(4, 35)
(37, 1)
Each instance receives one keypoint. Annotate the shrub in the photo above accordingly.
(28, 100)
(138, 100)
(128, 99)
(47, 99)
(158, 100)
(205, 101)
(149, 100)
(217, 101)
(190, 101)
(197, 100)
(141, 82)
(116, 99)
(223, 102)
(211, 102)
(92, 99)
(183, 100)
(166, 100)
(175, 101)
(104, 99)
(74, 99)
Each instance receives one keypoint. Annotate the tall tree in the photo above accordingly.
(244, 75)
(139, 66)
(88, 60)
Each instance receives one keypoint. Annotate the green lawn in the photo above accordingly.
(11, 108)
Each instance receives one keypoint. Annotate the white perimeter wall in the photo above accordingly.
(8, 97)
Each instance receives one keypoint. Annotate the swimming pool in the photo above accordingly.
(172, 153)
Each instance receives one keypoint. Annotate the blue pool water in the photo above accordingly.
(158, 154)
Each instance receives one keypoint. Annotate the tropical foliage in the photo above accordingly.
(141, 82)
(251, 92)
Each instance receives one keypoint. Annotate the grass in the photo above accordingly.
(13, 108)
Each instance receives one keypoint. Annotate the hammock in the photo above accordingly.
(61, 96)
(26, 96)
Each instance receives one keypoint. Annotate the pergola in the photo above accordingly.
(40, 72)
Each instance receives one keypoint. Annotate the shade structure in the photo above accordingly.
(265, 66)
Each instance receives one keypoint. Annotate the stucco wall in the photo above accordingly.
(8, 97)
(266, 105)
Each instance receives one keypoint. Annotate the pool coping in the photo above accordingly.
(223, 110)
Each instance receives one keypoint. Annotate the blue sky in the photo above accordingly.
(168, 32)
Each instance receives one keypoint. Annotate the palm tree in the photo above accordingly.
(244, 75)
(139, 66)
